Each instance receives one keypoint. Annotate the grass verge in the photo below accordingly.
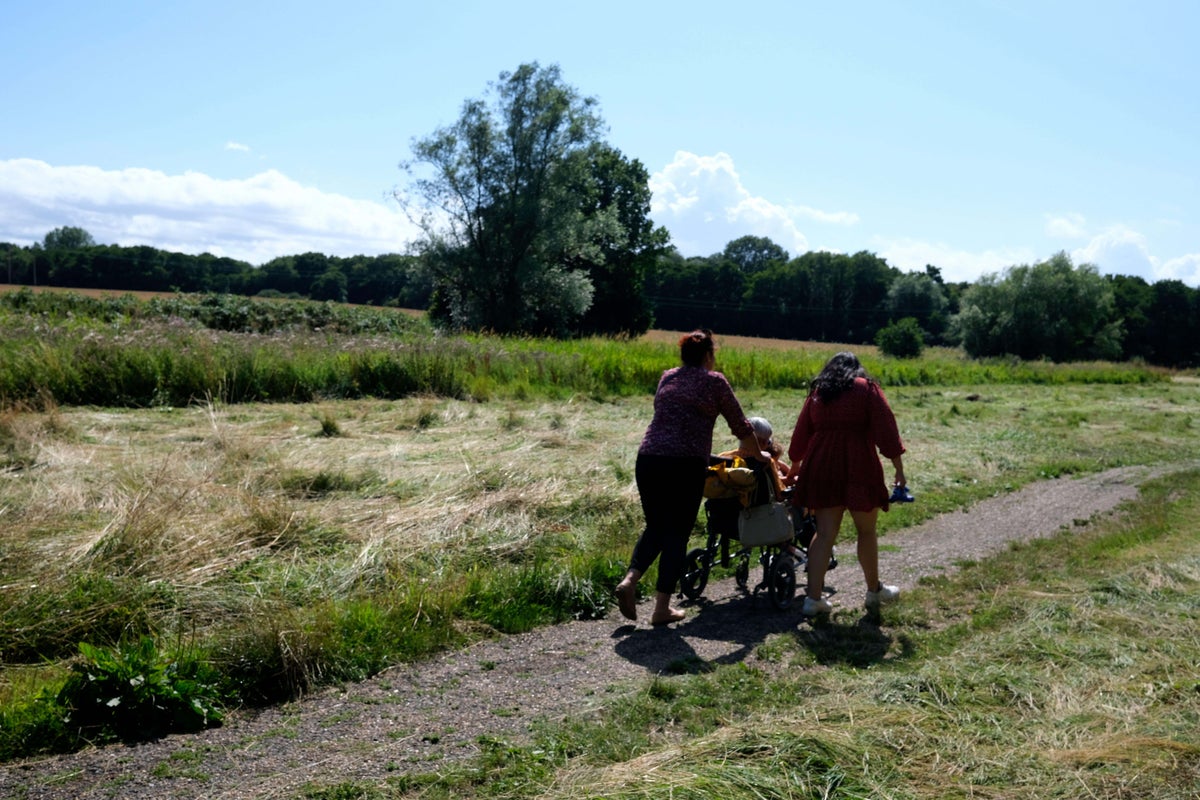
(1068, 667)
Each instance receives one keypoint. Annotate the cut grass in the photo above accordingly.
(1065, 668)
(226, 527)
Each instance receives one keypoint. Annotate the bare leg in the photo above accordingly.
(627, 594)
(663, 613)
(829, 522)
(868, 545)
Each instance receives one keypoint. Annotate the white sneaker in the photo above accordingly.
(813, 607)
(885, 594)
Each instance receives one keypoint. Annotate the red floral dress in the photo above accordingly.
(835, 444)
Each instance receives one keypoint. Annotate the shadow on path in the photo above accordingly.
(730, 630)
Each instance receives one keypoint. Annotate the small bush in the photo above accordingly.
(903, 339)
(519, 600)
(47, 620)
(18, 449)
(279, 653)
(306, 485)
(329, 426)
(132, 693)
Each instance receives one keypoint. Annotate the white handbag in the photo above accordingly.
(766, 524)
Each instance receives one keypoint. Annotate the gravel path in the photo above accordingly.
(411, 718)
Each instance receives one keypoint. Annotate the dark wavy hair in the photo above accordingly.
(837, 376)
(694, 346)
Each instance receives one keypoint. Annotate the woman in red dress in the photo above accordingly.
(835, 468)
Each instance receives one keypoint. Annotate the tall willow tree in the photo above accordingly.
(506, 198)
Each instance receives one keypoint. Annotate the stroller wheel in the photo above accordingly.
(695, 573)
(741, 572)
(781, 581)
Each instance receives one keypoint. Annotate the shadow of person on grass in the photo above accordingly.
(858, 644)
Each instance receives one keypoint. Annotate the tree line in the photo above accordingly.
(533, 224)
(74, 260)
(1053, 309)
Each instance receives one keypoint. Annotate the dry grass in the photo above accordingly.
(185, 495)
(755, 343)
(194, 499)
(11, 287)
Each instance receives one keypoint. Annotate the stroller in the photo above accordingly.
(777, 561)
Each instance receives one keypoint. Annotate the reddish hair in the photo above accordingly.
(694, 346)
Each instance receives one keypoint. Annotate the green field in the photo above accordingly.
(192, 533)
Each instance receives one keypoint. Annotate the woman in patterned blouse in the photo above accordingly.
(672, 463)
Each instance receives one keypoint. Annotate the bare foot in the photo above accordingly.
(671, 615)
(627, 599)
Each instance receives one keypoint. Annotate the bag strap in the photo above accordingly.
(772, 495)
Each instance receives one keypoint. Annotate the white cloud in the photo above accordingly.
(1123, 251)
(1116, 251)
(702, 202)
(244, 148)
(827, 217)
(911, 255)
(1185, 268)
(1119, 251)
(1066, 226)
(253, 219)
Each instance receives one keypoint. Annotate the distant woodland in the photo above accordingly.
(1053, 309)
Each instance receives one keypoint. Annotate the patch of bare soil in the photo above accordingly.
(412, 718)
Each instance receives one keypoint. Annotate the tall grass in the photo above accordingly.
(125, 352)
(284, 558)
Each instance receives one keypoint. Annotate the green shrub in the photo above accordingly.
(519, 600)
(903, 339)
(133, 693)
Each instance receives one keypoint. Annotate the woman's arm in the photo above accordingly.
(749, 447)
(898, 463)
(792, 473)
(800, 436)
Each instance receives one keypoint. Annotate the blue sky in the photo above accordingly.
(972, 135)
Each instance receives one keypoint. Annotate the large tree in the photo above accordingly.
(1133, 299)
(754, 253)
(696, 292)
(918, 295)
(829, 297)
(1051, 309)
(68, 238)
(1174, 324)
(614, 195)
(511, 239)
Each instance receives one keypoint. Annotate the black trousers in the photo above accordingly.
(671, 489)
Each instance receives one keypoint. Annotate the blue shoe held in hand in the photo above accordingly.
(901, 494)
